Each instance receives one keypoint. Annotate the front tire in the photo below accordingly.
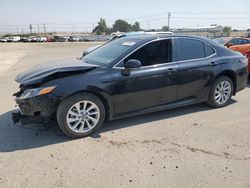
(80, 115)
(221, 92)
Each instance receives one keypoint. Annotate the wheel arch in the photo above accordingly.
(231, 74)
(104, 98)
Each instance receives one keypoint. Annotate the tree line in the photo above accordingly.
(119, 25)
(124, 26)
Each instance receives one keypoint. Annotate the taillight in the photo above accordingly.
(247, 55)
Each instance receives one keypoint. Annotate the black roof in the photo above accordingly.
(146, 38)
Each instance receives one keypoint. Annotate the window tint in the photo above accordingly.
(208, 50)
(190, 49)
(243, 41)
(234, 41)
(158, 52)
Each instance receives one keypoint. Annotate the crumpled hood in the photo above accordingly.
(38, 74)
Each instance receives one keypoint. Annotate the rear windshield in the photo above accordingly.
(106, 54)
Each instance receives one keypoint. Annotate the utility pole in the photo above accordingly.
(31, 28)
(17, 31)
(38, 28)
(148, 25)
(169, 15)
(44, 29)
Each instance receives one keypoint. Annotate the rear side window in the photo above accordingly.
(190, 49)
(243, 41)
(208, 50)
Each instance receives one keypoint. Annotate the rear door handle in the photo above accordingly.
(170, 71)
(213, 64)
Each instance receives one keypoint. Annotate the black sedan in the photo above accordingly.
(132, 76)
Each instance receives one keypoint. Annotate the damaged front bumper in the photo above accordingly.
(45, 105)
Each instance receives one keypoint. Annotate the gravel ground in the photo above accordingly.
(194, 146)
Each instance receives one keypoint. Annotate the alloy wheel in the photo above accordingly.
(83, 116)
(222, 92)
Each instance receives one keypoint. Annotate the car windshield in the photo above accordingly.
(221, 41)
(107, 53)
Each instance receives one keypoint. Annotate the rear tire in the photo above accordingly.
(221, 92)
(80, 115)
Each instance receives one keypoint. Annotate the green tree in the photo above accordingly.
(165, 28)
(227, 30)
(109, 30)
(101, 27)
(135, 27)
(121, 25)
(248, 30)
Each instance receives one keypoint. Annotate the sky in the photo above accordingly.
(83, 15)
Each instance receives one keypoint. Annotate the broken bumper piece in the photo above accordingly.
(41, 105)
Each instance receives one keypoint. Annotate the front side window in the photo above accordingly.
(234, 42)
(190, 49)
(155, 53)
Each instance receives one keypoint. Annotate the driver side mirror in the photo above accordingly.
(131, 64)
(229, 44)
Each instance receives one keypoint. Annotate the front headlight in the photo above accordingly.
(36, 92)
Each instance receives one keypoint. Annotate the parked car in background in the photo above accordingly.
(41, 39)
(3, 40)
(60, 39)
(24, 39)
(14, 39)
(239, 44)
(248, 35)
(74, 39)
(34, 39)
(131, 76)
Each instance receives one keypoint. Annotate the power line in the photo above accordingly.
(148, 19)
(222, 12)
(210, 18)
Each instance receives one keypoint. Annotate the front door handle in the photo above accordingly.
(172, 70)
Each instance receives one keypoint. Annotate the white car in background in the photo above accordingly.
(41, 39)
(14, 39)
(3, 40)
